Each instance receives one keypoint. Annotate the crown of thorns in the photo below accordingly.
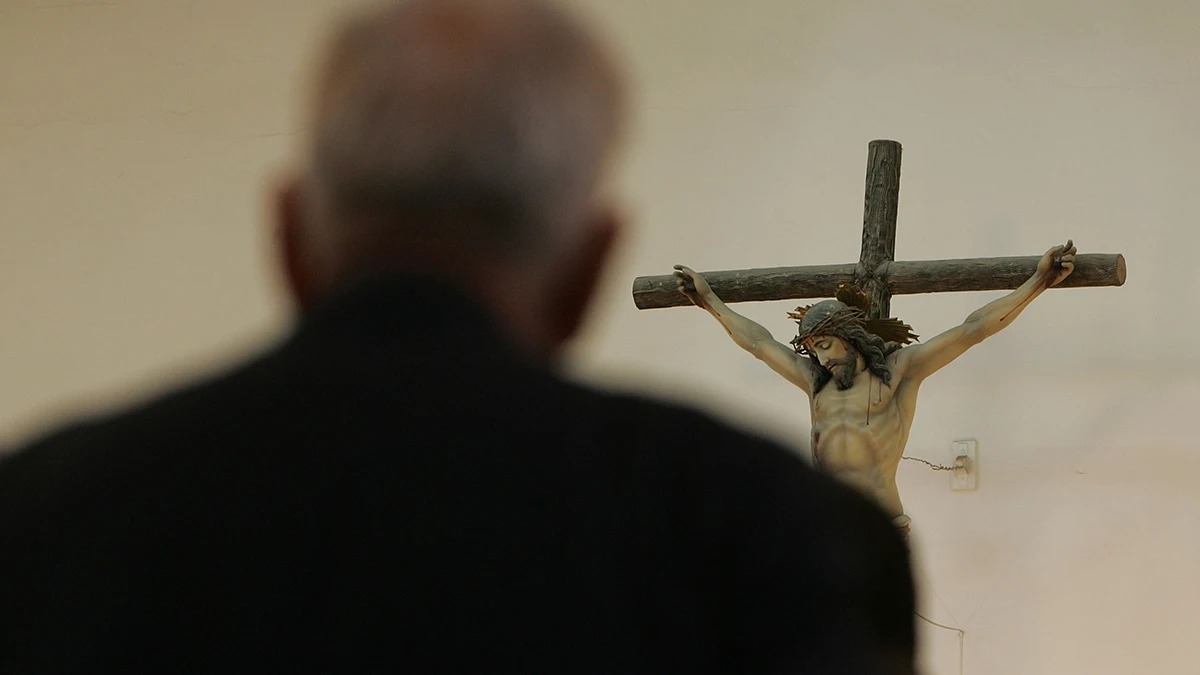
(853, 310)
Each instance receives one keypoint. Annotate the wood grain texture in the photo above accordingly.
(998, 274)
(902, 278)
(880, 206)
(877, 272)
(753, 285)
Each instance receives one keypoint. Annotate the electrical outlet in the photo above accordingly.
(963, 458)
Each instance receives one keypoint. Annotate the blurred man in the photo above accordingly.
(405, 484)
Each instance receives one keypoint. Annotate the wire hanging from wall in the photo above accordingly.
(962, 636)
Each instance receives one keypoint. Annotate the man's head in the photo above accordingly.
(466, 140)
(834, 336)
(835, 355)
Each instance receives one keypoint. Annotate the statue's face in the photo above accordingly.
(827, 348)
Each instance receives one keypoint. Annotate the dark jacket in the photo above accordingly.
(392, 489)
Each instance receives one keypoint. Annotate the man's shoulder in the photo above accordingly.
(697, 441)
(85, 446)
(744, 484)
(663, 418)
(899, 360)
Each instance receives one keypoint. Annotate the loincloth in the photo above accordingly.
(903, 523)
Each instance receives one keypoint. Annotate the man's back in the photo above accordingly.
(381, 494)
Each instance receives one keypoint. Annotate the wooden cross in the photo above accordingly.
(877, 271)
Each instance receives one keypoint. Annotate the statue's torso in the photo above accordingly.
(859, 434)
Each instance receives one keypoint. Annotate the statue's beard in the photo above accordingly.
(843, 377)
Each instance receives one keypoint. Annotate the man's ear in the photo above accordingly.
(573, 287)
(291, 245)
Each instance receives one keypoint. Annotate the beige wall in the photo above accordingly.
(136, 138)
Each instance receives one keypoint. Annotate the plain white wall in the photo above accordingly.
(137, 138)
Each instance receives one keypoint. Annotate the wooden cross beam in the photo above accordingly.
(877, 271)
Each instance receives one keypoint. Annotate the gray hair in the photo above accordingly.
(487, 122)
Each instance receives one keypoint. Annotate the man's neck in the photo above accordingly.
(503, 297)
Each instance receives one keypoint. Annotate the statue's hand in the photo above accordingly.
(692, 284)
(1057, 264)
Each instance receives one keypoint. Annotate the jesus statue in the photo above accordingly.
(860, 425)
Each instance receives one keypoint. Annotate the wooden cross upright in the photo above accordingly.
(877, 272)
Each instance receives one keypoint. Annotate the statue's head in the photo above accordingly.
(821, 313)
(841, 341)
(823, 339)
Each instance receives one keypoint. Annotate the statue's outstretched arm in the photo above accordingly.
(747, 334)
(921, 361)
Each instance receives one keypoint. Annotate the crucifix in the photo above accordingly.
(860, 425)
(877, 272)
